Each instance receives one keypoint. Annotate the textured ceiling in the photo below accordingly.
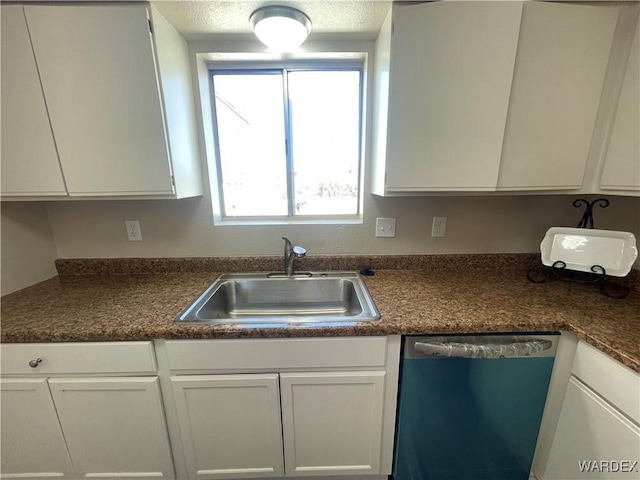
(202, 19)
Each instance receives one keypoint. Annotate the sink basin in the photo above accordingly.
(315, 297)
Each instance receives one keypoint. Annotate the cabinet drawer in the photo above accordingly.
(276, 354)
(81, 358)
(618, 384)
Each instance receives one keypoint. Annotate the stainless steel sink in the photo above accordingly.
(250, 298)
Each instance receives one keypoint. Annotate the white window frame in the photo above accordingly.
(349, 64)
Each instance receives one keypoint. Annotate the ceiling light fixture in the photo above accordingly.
(282, 29)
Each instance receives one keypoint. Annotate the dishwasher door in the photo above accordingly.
(470, 406)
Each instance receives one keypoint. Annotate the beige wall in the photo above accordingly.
(185, 227)
(28, 249)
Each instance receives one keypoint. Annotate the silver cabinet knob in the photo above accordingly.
(35, 363)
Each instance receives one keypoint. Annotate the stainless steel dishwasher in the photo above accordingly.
(470, 406)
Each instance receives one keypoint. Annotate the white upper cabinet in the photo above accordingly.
(486, 96)
(29, 159)
(444, 72)
(561, 64)
(99, 78)
(622, 163)
(117, 88)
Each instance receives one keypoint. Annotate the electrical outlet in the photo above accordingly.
(133, 230)
(439, 226)
(385, 227)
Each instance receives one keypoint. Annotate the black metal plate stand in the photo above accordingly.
(598, 274)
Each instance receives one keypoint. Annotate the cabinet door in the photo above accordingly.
(33, 446)
(451, 70)
(561, 63)
(622, 164)
(230, 425)
(332, 422)
(590, 430)
(114, 427)
(29, 159)
(99, 78)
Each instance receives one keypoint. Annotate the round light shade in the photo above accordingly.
(282, 29)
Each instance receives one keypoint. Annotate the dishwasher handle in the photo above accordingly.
(527, 348)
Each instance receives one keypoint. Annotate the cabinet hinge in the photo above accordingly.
(173, 181)
(150, 26)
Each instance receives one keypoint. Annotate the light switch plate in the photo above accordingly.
(385, 227)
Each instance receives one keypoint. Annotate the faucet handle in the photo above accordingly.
(298, 251)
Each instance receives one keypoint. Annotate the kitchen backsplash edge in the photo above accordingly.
(149, 266)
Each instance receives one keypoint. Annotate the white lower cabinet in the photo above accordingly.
(593, 439)
(597, 435)
(32, 442)
(84, 428)
(332, 422)
(280, 408)
(102, 423)
(114, 427)
(209, 409)
(230, 425)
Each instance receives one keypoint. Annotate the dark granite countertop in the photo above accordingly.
(466, 297)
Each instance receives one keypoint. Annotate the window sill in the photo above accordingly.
(337, 220)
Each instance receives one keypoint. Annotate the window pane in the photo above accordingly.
(250, 122)
(325, 128)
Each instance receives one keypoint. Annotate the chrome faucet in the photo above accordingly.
(290, 254)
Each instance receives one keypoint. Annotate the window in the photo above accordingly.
(288, 142)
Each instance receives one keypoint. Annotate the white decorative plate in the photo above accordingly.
(581, 248)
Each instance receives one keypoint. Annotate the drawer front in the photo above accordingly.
(276, 354)
(612, 380)
(80, 358)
